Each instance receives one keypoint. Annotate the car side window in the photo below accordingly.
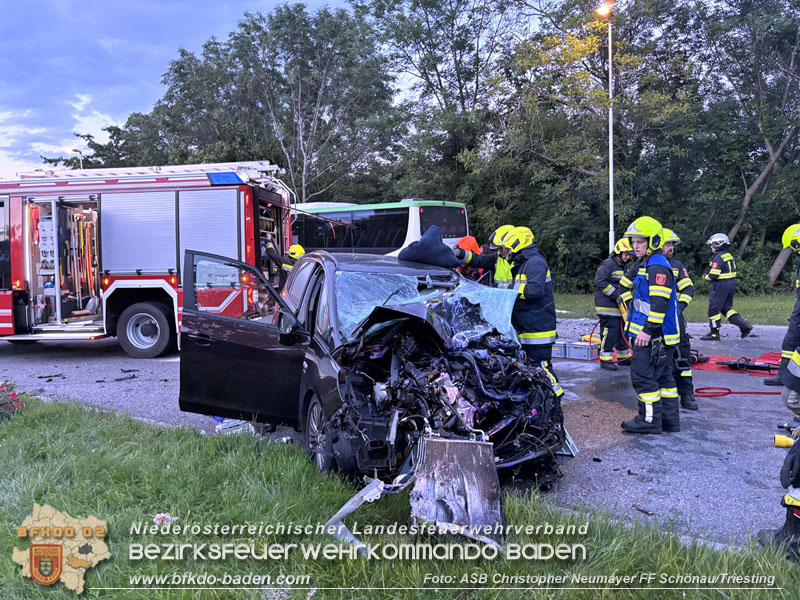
(293, 292)
(232, 290)
(323, 317)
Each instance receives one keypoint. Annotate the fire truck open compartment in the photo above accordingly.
(62, 267)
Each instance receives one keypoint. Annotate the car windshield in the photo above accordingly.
(470, 309)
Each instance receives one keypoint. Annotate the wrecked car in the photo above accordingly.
(366, 355)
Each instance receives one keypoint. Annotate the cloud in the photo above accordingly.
(90, 121)
(11, 164)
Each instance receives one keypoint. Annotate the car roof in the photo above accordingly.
(379, 263)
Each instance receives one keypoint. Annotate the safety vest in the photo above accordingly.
(640, 307)
(502, 274)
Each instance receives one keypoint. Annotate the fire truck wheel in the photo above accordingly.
(143, 330)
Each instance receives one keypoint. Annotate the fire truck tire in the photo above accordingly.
(143, 330)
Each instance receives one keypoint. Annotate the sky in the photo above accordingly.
(76, 66)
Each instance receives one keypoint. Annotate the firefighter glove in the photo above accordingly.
(460, 253)
(790, 472)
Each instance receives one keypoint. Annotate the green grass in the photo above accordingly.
(89, 463)
(768, 309)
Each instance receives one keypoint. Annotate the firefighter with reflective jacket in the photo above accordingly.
(534, 314)
(497, 262)
(722, 275)
(788, 536)
(606, 304)
(683, 358)
(652, 325)
(791, 239)
(283, 264)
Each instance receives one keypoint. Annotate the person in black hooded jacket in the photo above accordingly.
(534, 314)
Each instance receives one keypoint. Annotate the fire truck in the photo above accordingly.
(94, 253)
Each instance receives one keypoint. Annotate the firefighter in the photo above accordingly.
(788, 536)
(683, 358)
(721, 273)
(791, 239)
(497, 262)
(652, 325)
(606, 305)
(470, 244)
(534, 314)
(296, 251)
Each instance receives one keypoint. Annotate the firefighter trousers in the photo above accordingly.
(542, 354)
(651, 376)
(720, 302)
(611, 339)
(683, 362)
(790, 341)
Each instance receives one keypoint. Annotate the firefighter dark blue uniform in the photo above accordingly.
(722, 275)
(791, 239)
(495, 262)
(788, 536)
(683, 356)
(606, 305)
(652, 326)
(534, 314)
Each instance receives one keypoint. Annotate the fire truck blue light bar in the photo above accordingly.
(225, 178)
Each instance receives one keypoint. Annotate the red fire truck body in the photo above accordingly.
(99, 252)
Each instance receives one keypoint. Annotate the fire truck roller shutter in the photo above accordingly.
(138, 232)
(209, 222)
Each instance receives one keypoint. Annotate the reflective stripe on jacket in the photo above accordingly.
(654, 309)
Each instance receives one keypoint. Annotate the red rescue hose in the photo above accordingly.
(624, 339)
(718, 392)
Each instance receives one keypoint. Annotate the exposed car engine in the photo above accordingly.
(402, 381)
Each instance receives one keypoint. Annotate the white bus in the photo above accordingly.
(376, 228)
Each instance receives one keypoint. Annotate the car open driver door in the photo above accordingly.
(242, 349)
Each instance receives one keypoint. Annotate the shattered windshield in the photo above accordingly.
(470, 309)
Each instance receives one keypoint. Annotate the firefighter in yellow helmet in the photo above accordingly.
(534, 314)
(606, 305)
(652, 326)
(496, 262)
(791, 341)
(685, 287)
(286, 262)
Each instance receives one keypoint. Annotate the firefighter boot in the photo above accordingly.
(787, 536)
(775, 381)
(640, 423)
(712, 336)
(688, 402)
(670, 417)
(608, 365)
(744, 327)
(625, 363)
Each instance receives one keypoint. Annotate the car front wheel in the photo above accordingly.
(317, 439)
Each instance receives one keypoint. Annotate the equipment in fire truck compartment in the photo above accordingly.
(64, 282)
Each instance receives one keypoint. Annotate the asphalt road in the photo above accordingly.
(716, 480)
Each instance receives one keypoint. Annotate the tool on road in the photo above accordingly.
(718, 392)
(783, 441)
(745, 364)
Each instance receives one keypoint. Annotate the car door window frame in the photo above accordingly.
(190, 286)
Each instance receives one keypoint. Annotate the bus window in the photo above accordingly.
(313, 232)
(450, 219)
(381, 229)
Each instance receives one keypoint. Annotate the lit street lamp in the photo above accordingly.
(80, 155)
(604, 12)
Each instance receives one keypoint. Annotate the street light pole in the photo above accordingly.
(604, 12)
(610, 144)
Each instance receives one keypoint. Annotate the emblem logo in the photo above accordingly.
(661, 279)
(46, 562)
